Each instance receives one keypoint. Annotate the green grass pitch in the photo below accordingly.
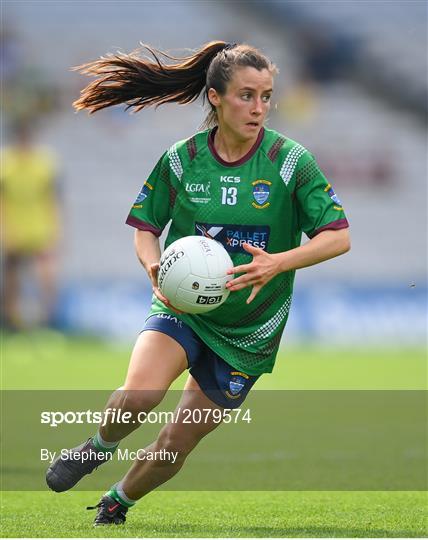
(222, 514)
(44, 360)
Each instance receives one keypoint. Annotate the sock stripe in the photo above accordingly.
(102, 445)
(115, 495)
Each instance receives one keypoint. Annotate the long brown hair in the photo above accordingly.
(140, 82)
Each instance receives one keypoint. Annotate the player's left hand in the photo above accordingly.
(257, 273)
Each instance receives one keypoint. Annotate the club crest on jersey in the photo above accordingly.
(236, 384)
(333, 197)
(261, 192)
(145, 190)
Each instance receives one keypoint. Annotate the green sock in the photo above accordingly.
(116, 492)
(102, 445)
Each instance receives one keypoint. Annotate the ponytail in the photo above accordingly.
(140, 82)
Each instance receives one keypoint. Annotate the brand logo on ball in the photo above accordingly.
(166, 262)
(166, 255)
(206, 248)
(193, 274)
(213, 287)
(261, 192)
(209, 299)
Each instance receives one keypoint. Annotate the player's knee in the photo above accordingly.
(174, 439)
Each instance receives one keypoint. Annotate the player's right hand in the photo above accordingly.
(153, 275)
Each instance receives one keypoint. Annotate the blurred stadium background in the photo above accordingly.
(352, 88)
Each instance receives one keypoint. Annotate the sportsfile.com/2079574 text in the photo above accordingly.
(113, 415)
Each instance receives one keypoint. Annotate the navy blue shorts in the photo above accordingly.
(220, 382)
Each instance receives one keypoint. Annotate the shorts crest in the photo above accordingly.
(236, 384)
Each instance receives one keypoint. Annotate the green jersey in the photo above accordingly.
(267, 199)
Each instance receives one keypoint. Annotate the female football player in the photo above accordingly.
(264, 191)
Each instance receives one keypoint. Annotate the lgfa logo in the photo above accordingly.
(199, 188)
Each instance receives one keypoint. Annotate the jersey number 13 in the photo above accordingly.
(228, 195)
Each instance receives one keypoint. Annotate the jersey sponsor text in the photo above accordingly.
(230, 179)
(234, 236)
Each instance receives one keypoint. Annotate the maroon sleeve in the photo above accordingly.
(333, 226)
(142, 225)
